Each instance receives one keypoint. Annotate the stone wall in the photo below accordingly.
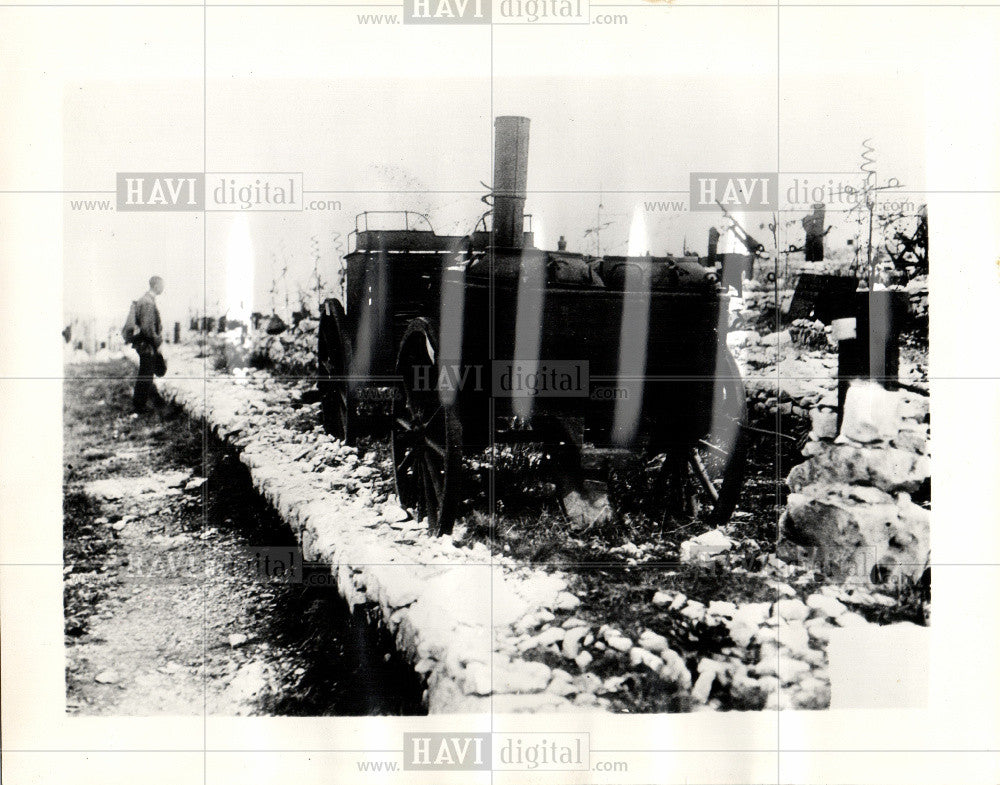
(292, 351)
(852, 501)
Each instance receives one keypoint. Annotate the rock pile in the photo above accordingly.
(781, 375)
(291, 352)
(852, 499)
(810, 334)
(777, 659)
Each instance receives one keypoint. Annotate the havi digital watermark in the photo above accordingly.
(208, 191)
(745, 191)
(484, 12)
(496, 751)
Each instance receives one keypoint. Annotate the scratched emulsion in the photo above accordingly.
(528, 327)
(452, 316)
(633, 338)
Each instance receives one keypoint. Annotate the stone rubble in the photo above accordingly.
(851, 500)
(489, 634)
(706, 546)
(292, 351)
(783, 375)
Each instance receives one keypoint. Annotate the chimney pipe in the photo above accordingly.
(713, 243)
(510, 181)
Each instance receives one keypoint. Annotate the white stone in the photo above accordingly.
(851, 619)
(613, 684)
(784, 338)
(824, 424)
(394, 513)
(705, 546)
(583, 659)
(694, 610)
(703, 685)
(721, 608)
(477, 680)
(363, 472)
(652, 641)
(752, 614)
(820, 629)
(528, 622)
(661, 598)
(571, 642)
(915, 406)
(779, 701)
(792, 670)
(765, 635)
(520, 676)
(824, 606)
(674, 669)
(791, 609)
(549, 636)
(830, 590)
(619, 642)
(561, 687)
(871, 413)
(787, 669)
(540, 590)
(639, 656)
(399, 588)
(794, 637)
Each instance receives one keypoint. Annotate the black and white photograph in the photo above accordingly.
(496, 391)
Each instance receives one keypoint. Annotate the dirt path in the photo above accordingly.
(167, 609)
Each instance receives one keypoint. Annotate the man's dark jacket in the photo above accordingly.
(147, 317)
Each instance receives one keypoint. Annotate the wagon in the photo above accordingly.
(484, 340)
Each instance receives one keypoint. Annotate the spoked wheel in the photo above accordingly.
(334, 361)
(426, 433)
(703, 480)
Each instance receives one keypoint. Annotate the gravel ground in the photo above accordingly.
(165, 612)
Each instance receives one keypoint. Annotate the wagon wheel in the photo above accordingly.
(334, 354)
(703, 480)
(426, 433)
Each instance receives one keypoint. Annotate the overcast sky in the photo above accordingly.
(425, 144)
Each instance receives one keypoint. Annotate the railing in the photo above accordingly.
(406, 219)
(361, 224)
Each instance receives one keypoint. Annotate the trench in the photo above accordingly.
(168, 641)
(350, 663)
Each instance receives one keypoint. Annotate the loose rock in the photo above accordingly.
(705, 546)
(825, 606)
(571, 642)
(791, 610)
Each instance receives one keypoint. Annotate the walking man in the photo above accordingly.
(146, 341)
